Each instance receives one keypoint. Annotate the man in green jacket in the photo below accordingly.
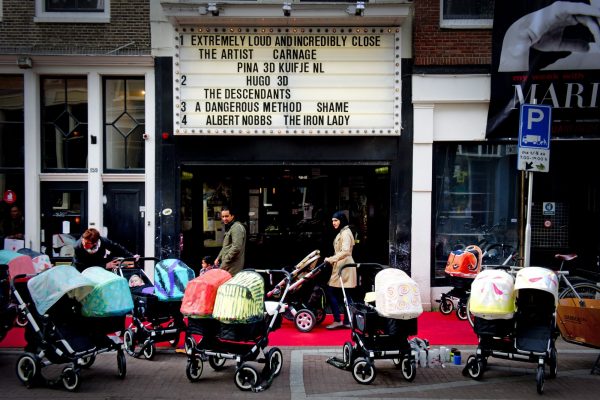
(231, 256)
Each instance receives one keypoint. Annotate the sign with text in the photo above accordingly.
(534, 138)
(287, 81)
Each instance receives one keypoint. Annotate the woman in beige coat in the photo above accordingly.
(342, 245)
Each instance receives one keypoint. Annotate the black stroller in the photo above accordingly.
(522, 332)
(156, 313)
(305, 297)
(238, 330)
(380, 332)
(72, 318)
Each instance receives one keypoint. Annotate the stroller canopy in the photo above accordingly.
(110, 296)
(241, 299)
(41, 261)
(201, 292)
(397, 295)
(50, 286)
(17, 263)
(464, 263)
(493, 295)
(537, 278)
(171, 276)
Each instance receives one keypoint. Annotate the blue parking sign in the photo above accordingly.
(534, 126)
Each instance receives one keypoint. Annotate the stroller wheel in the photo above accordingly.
(275, 361)
(363, 371)
(321, 315)
(129, 342)
(71, 379)
(216, 363)
(149, 351)
(305, 320)
(474, 367)
(347, 355)
(28, 369)
(21, 320)
(461, 312)
(539, 379)
(121, 364)
(86, 362)
(409, 368)
(553, 363)
(446, 306)
(194, 368)
(246, 377)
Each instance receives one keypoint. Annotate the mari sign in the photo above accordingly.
(534, 138)
(287, 81)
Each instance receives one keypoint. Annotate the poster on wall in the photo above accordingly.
(546, 52)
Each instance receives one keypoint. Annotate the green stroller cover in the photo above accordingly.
(110, 297)
(241, 299)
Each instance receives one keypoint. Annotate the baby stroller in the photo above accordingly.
(462, 268)
(12, 264)
(72, 317)
(305, 297)
(381, 331)
(156, 316)
(515, 319)
(237, 328)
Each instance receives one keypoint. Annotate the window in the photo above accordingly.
(475, 200)
(64, 123)
(466, 14)
(11, 121)
(74, 11)
(124, 123)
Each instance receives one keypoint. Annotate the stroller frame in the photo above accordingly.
(146, 329)
(367, 344)
(504, 344)
(58, 351)
(217, 350)
(300, 310)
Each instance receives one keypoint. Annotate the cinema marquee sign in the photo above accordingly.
(287, 81)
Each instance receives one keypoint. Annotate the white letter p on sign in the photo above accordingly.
(534, 116)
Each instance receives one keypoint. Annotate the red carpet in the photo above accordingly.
(437, 328)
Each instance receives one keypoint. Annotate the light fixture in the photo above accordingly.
(359, 10)
(287, 9)
(213, 9)
(24, 62)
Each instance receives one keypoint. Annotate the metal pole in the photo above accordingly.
(527, 254)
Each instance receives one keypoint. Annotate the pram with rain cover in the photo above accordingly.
(12, 264)
(237, 329)
(72, 317)
(156, 313)
(515, 319)
(305, 297)
(381, 331)
(462, 267)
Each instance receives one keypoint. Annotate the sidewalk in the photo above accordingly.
(306, 375)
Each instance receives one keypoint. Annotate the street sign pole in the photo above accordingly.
(534, 154)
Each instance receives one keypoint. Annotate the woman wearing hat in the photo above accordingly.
(342, 245)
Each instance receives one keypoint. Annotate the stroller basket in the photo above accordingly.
(368, 322)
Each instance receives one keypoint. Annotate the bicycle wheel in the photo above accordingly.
(584, 290)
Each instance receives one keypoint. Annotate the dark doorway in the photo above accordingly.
(124, 215)
(287, 210)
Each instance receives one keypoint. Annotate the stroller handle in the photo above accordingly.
(17, 277)
(124, 262)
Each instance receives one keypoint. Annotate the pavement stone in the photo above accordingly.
(306, 375)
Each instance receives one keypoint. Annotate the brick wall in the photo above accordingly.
(434, 46)
(129, 22)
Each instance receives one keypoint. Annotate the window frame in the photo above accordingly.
(41, 15)
(454, 23)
